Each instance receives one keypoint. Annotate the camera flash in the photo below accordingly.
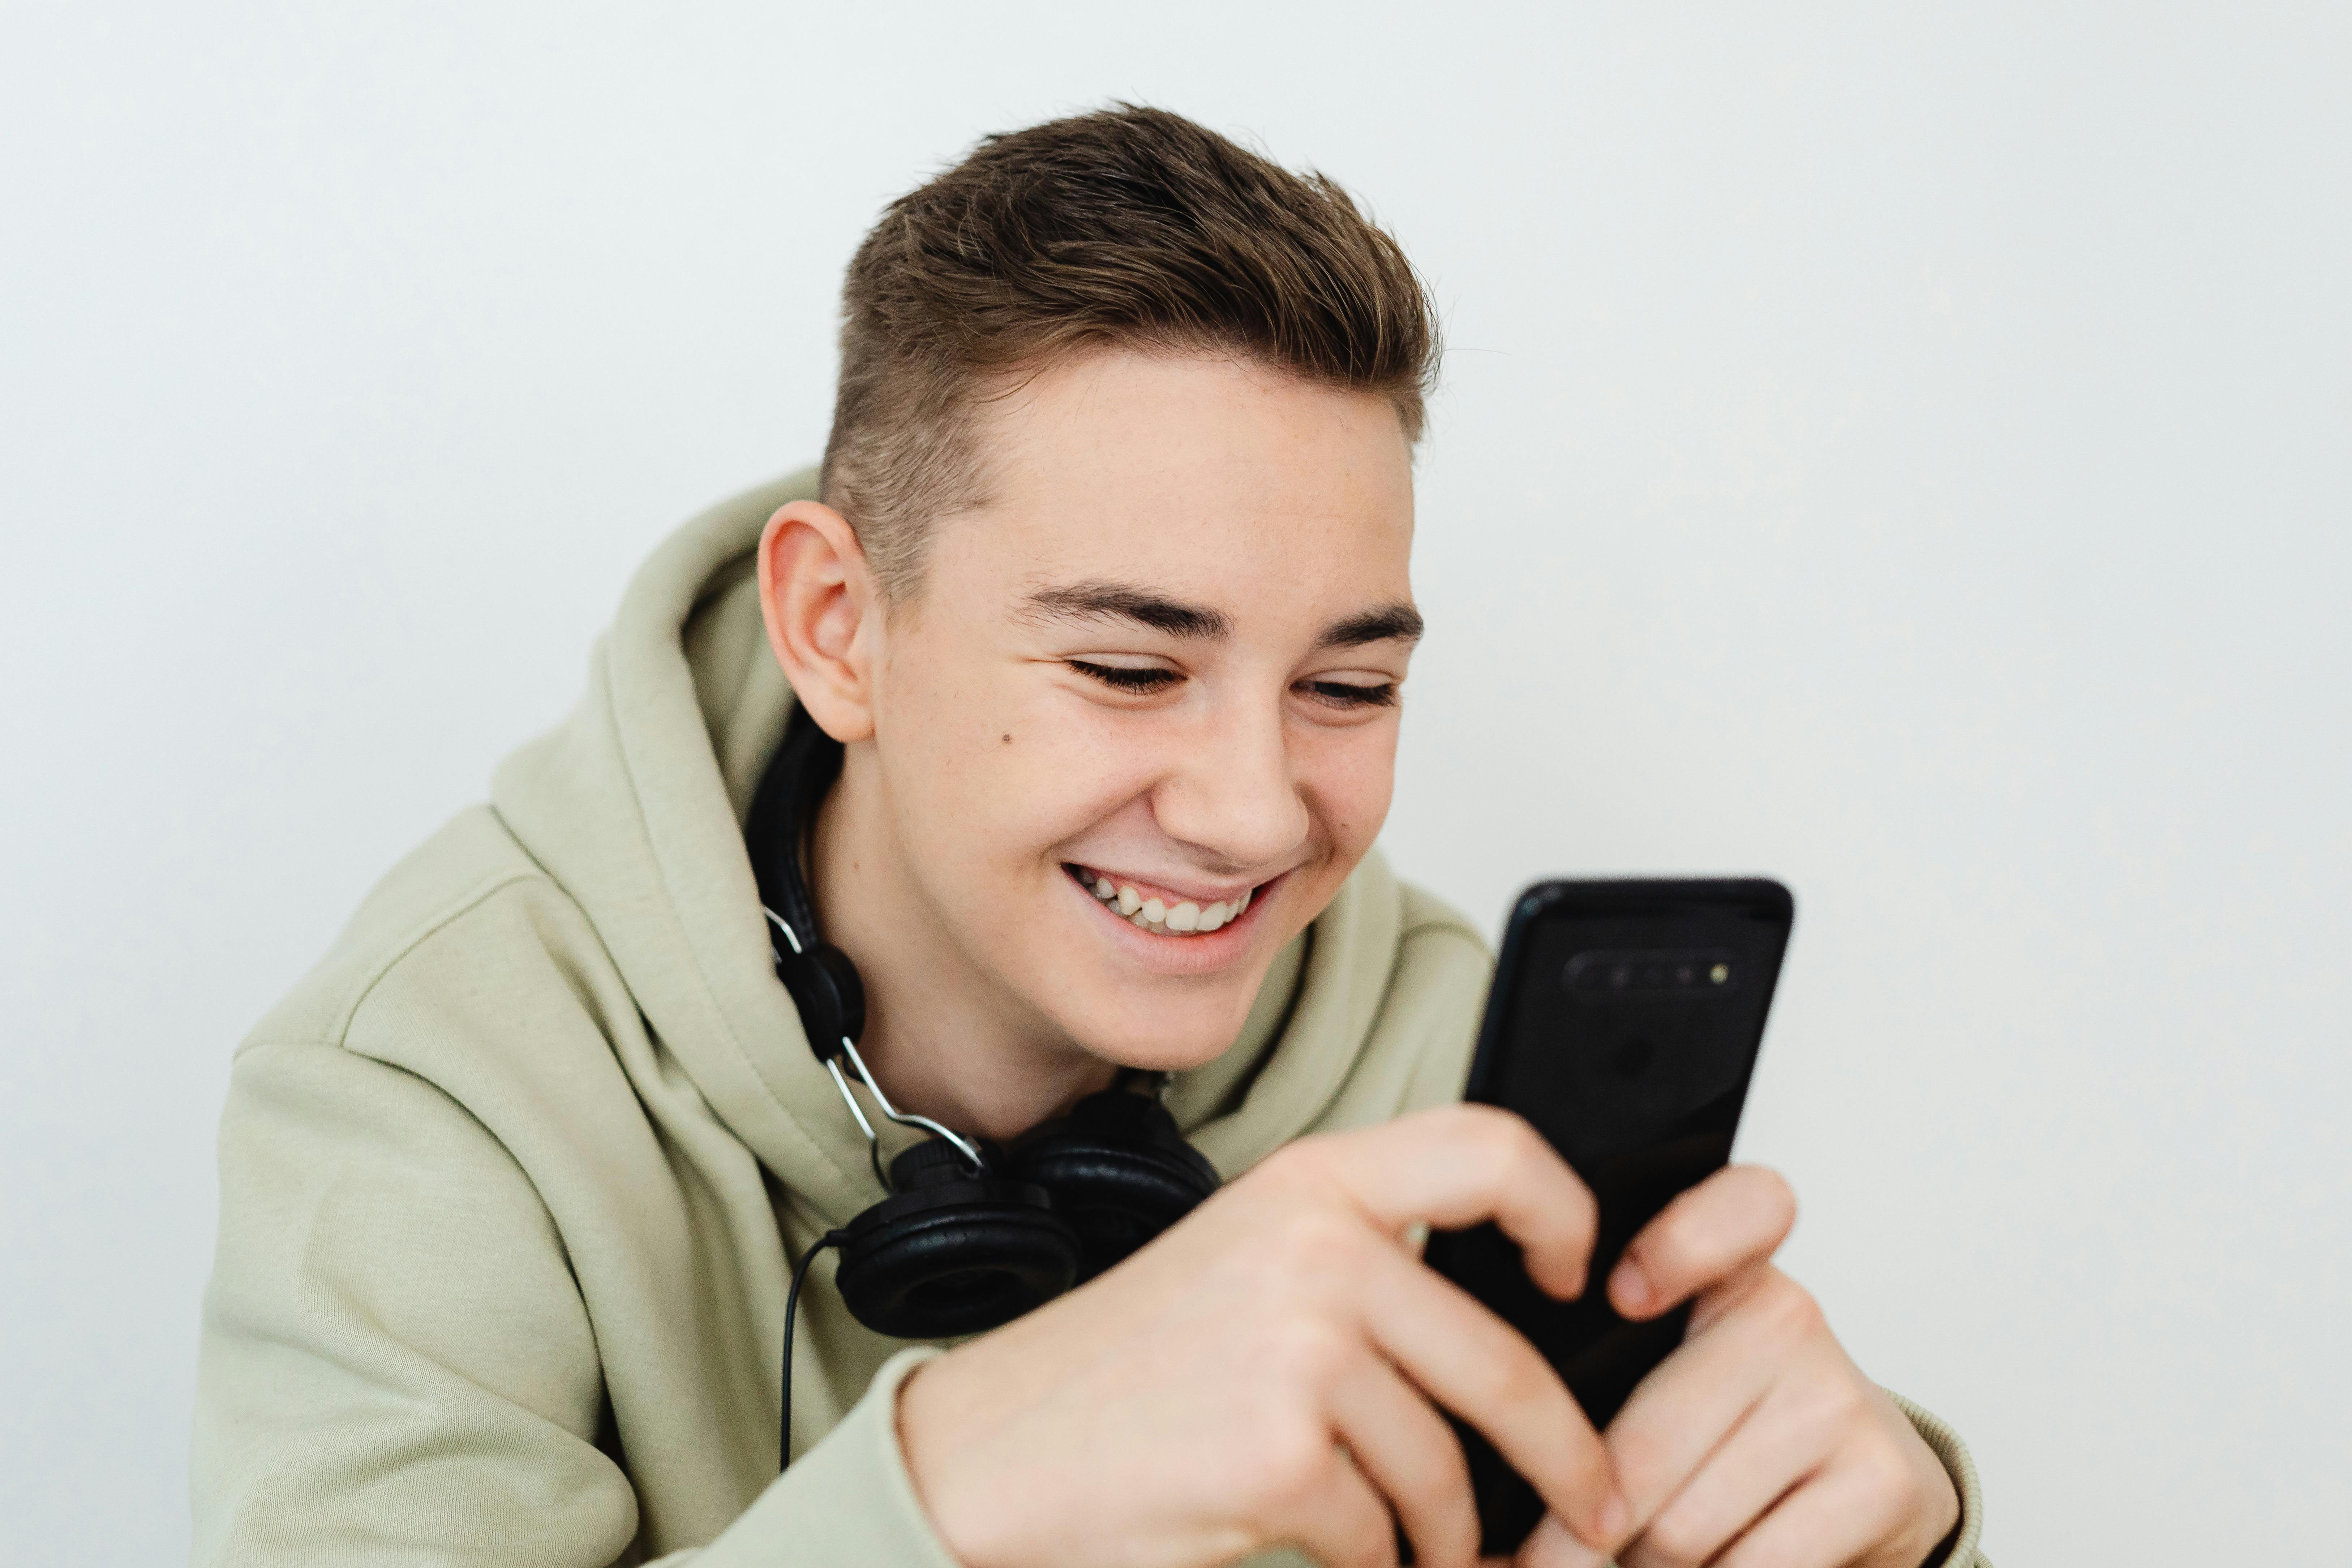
(1719, 973)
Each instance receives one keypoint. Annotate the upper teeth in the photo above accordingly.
(1155, 915)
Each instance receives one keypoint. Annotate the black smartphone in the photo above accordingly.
(1624, 1023)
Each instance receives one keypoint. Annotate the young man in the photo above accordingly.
(1103, 595)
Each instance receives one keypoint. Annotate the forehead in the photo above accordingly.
(1237, 486)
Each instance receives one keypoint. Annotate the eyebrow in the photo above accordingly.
(1123, 601)
(1119, 602)
(1399, 622)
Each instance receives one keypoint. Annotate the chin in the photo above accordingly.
(1151, 1034)
(1172, 1057)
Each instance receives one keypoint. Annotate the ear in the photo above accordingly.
(822, 614)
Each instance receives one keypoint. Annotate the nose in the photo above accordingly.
(1234, 798)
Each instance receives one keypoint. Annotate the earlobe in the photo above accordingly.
(817, 600)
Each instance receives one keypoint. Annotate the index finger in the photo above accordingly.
(1727, 1225)
(1460, 1165)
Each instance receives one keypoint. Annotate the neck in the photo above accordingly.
(942, 1037)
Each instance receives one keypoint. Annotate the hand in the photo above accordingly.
(1263, 1372)
(1758, 1444)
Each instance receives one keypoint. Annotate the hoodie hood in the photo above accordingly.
(636, 807)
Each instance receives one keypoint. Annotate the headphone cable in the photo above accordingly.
(792, 1309)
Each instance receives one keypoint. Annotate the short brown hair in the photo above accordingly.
(1131, 227)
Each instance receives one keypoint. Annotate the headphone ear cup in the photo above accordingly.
(1119, 1172)
(957, 1254)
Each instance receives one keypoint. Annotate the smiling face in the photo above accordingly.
(1132, 732)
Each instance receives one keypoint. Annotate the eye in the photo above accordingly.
(1143, 679)
(1349, 694)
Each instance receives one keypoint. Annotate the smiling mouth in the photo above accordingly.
(1154, 913)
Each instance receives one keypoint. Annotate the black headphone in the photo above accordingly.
(974, 1234)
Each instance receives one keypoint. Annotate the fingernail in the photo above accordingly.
(1628, 1286)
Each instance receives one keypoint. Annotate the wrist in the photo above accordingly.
(1956, 1546)
(1937, 1514)
(939, 1434)
(1940, 1553)
(1943, 1519)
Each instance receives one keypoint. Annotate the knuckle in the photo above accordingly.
(1882, 1494)
(1507, 1128)
(1320, 1242)
(1438, 1495)
(1495, 1141)
(1884, 1474)
(1415, 1491)
(1663, 1249)
(1789, 1309)
(1517, 1380)
(1497, 1388)
(1579, 1469)
(1677, 1538)
(1643, 1456)
(1303, 1161)
(1551, 1546)
(1854, 1406)
(1519, 1146)
(1470, 1117)
(1293, 1459)
(1498, 1372)
(1833, 1410)
(1309, 1352)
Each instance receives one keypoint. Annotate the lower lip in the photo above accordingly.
(1197, 955)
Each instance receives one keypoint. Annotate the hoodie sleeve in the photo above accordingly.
(799, 1519)
(397, 1365)
(1961, 1550)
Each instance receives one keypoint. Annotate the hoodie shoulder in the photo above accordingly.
(471, 863)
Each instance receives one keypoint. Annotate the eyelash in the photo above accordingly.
(1145, 681)
(1340, 694)
(1120, 677)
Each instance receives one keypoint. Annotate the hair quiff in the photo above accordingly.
(1127, 227)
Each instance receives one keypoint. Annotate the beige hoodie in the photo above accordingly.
(511, 1183)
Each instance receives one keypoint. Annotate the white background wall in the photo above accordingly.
(1904, 449)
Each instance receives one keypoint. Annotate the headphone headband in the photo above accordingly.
(824, 984)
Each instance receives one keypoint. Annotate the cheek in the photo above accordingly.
(991, 773)
(1350, 775)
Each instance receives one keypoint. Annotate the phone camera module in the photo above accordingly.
(1663, 973)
